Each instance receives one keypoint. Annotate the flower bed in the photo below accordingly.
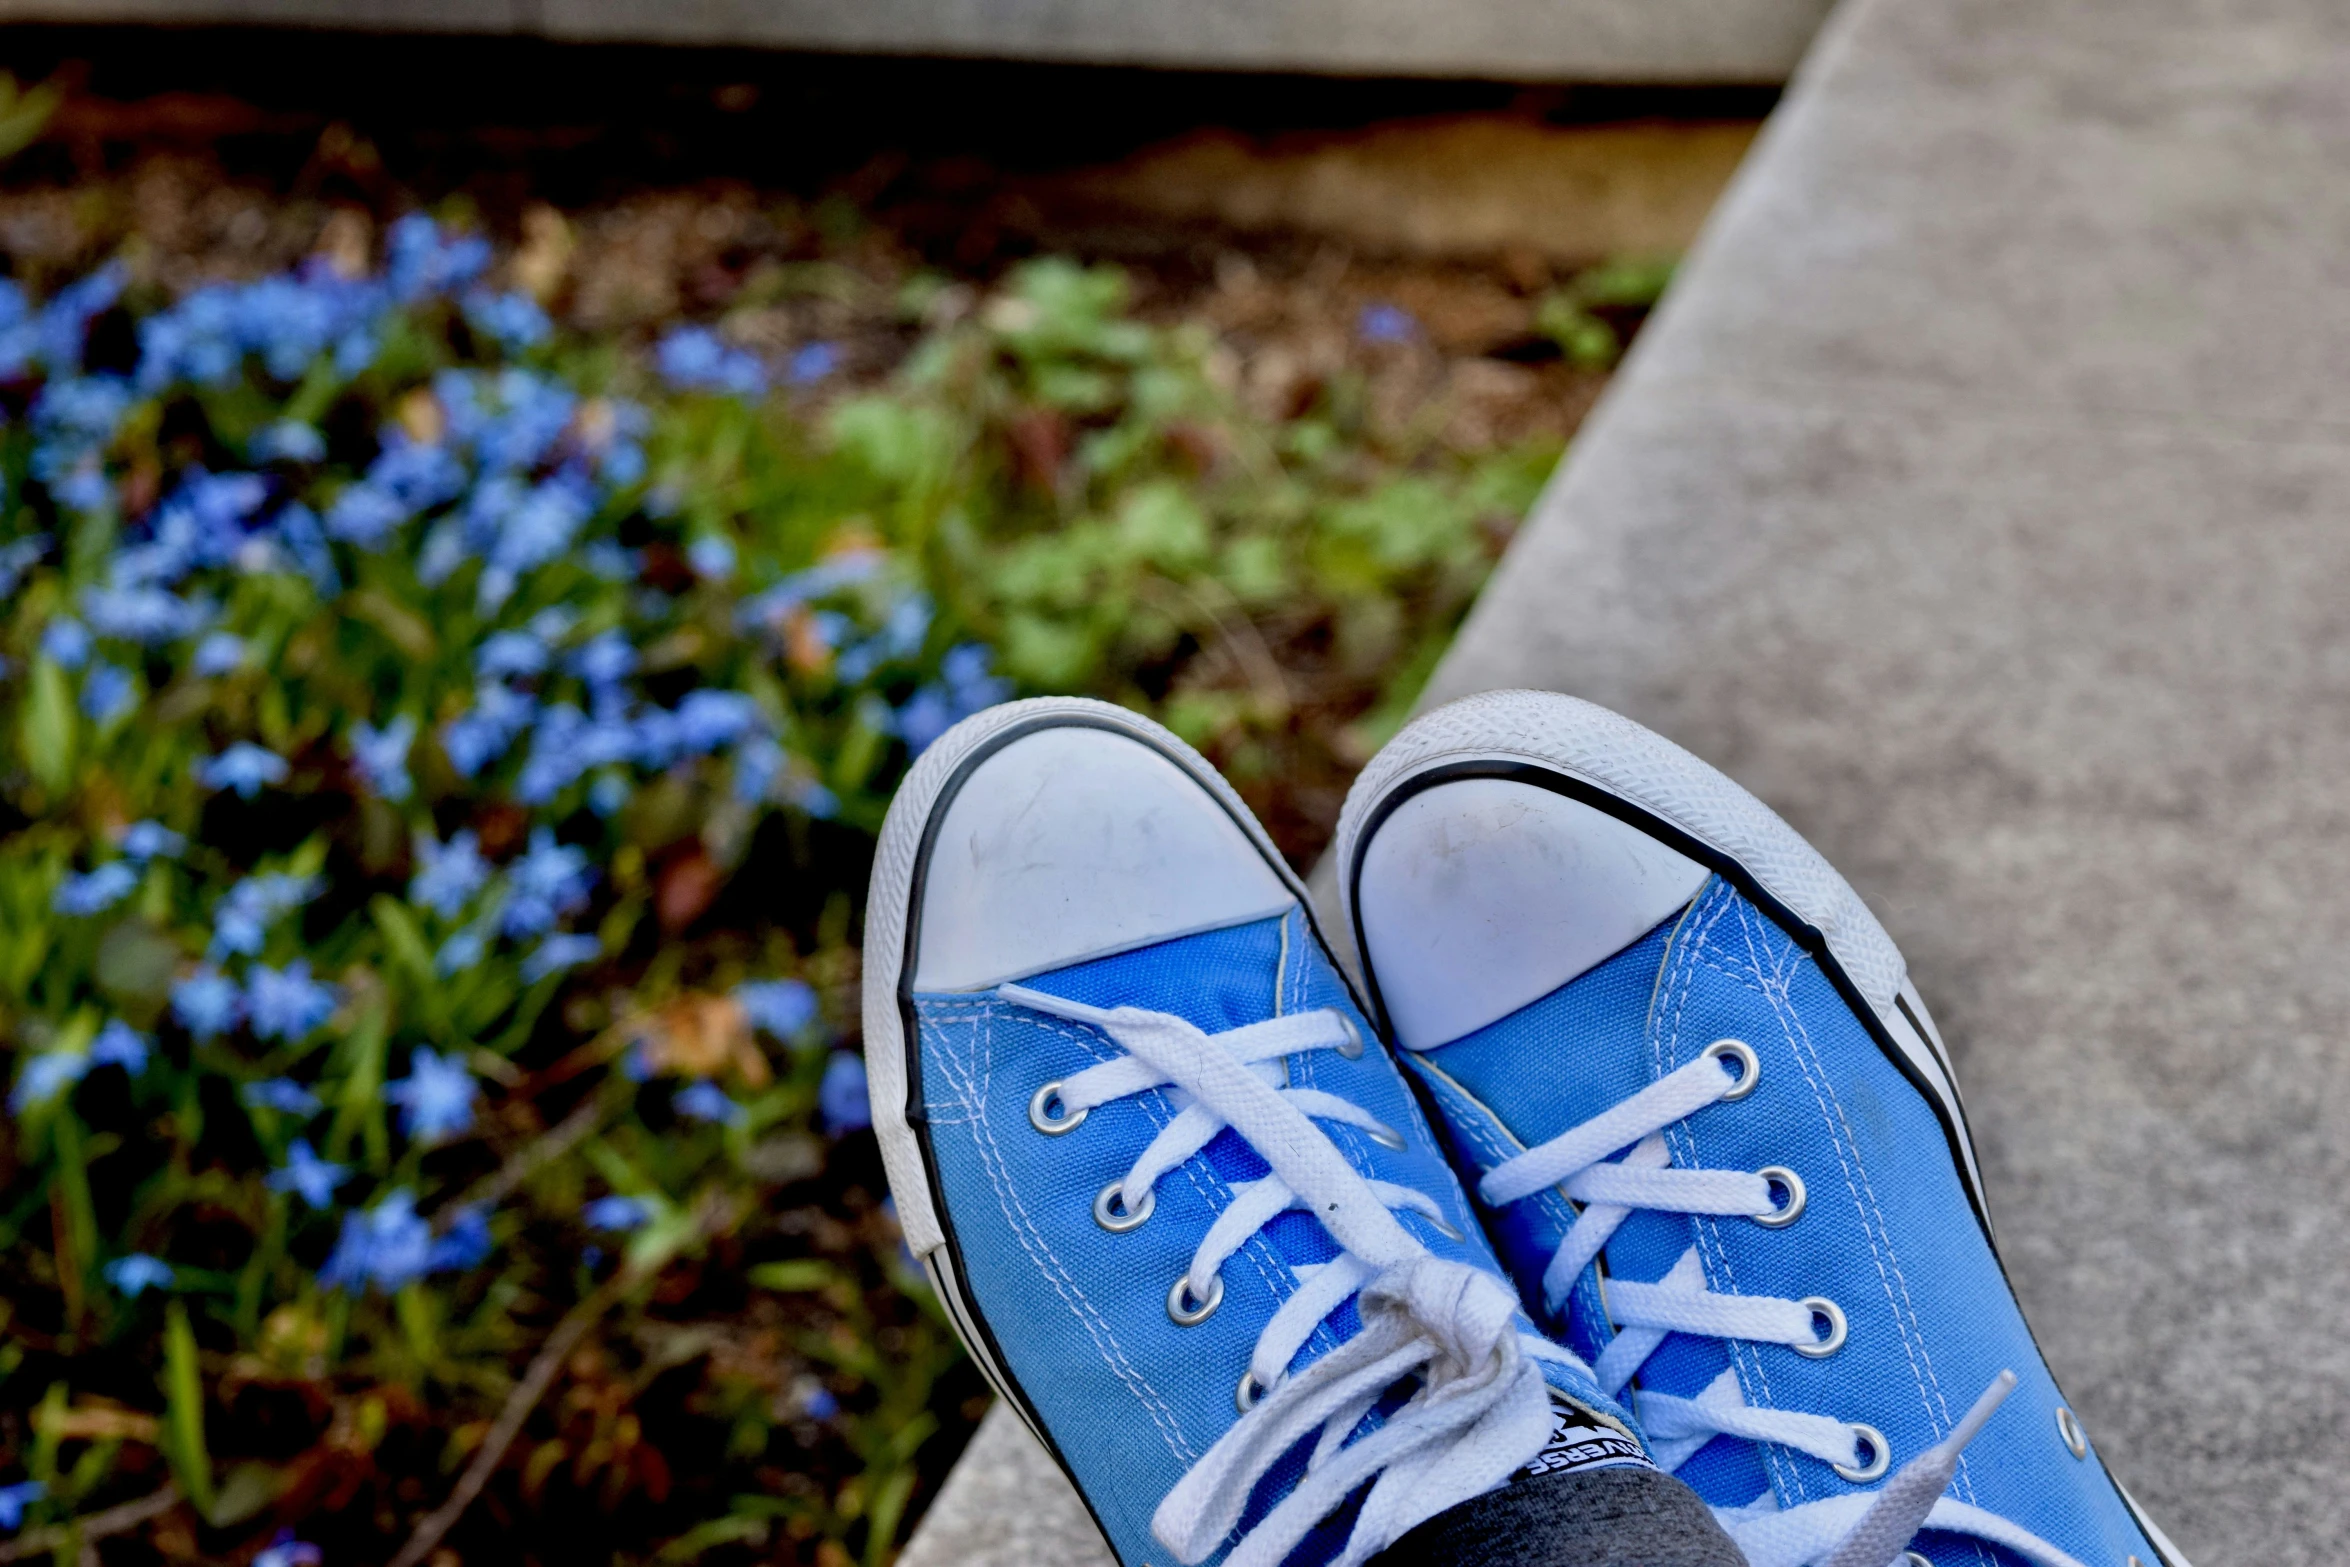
(443, 758)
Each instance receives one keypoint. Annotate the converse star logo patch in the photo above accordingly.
(1581, 1440)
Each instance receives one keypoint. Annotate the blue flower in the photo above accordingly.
(1385, 323)
(381, 755)
(419, 260)
(386, 1246)
(45, 1076)
(137, 1273)
(308, 1176)
(508, 654)
(465, 949)
(709, 719)
(435, 1098)
(965, 671)
(464, 1244)
(514, 320)
(926, 715)
(65, 642)
(289, 440)
(119, 1044)
(604, 660)
(17, 557)
(510, 419)
(707, 1102)
(608, 792)
(547, 882)
(617, 1214)
(781, 1007)
(691, 358)
(448, 875)
(96, 892)
(108, 694)
(304, 541)
(482, 734)
(14, 1499)
(557, 953)
(286, 1003)
(816, 800)
(151, 840)
(286, 1551)
(811, 363)
(418, 474)
(538, 528)
(207, 1003)
(281, 1094)
(219, 653)
(365, 515)
(711, 556)
(241, 921)
(244, 767)
(144, 615)
(758, 763)
(841, 1097)
(820, 1404)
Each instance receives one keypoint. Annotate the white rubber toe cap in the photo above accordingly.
(1076, 842)
(1482, 895)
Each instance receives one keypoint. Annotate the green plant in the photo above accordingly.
(444, 754)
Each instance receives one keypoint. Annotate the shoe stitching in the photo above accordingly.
(1890, 1275)
(1038, 1250)
(1746, 1359)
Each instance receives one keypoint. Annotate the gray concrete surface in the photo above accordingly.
(1510, 40)
(1981, 498)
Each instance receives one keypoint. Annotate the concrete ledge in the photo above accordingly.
(1676, 41)
(1006, 1505)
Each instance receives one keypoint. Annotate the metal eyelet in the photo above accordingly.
(1788, 1212)
(2134, 1562)
(1821, 1349)
(2068, 1426)
(1049, 1125)
(1352, 1050)
(1443, 1226)
(1913, 1559)
(1186, 1315)
(1111, 1219)
(1245, 1396)
(1880, 1455)
(1385, 1136)
(1750, 1068)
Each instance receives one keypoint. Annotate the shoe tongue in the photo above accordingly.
(1216, 980)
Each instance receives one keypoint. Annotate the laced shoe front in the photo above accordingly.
(1717, 1142)
(1181, 1205)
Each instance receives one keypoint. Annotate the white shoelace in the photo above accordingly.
(1868, 1530)
(1481, 1408)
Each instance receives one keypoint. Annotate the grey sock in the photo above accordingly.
(1578, 1518)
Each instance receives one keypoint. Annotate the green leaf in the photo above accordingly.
(25, 113)
(46, 727)
(248, 1489)
(183, 1412)
(798, 1275)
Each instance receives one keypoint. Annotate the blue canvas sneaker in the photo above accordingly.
(1715, 1137)
(1180, 1203)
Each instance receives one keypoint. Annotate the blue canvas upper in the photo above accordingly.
(1130, 1399)
(1887, 1232)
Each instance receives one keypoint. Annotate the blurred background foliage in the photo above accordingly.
(442, 752)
